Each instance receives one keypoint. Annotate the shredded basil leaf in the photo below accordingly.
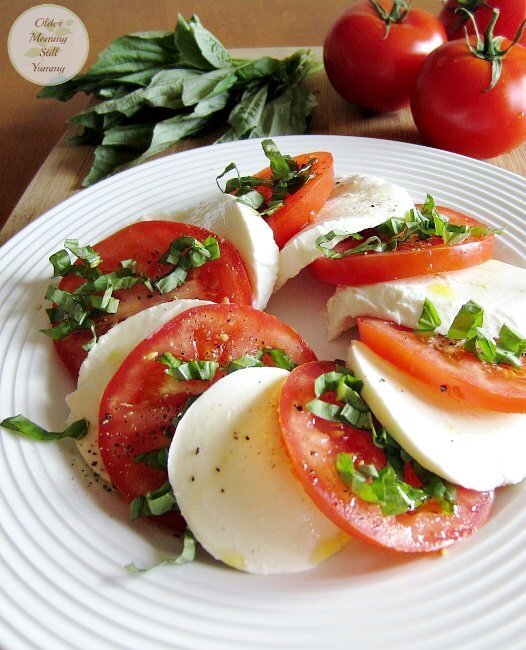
(21, 424)
(186, 370)
(384, 487)
(157, 458)
(423, 223)
(245, 361)
(279, 358)
(429, 319)
(469, 317)
(510, 341)
(354, 411)
(467, 327)
(287, 177)
(434, 486)
(186, 555)
(381, 487)
(77, 309)
(185, 253)
(154, 503)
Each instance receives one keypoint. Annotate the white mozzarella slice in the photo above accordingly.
(245, 229)
(468, 446)
(497, 287)
(235, 485)
(102, 363)
(357, 202)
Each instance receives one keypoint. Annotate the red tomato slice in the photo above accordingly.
(141, 400)
(301, 207)
(145, 242)
(313, 444)
(413, 257)
(448, 368)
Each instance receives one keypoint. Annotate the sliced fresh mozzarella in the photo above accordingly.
(101, 364)
(235, 485)
(468, 446)
(243, 227)
(497, 287)
(356, 203)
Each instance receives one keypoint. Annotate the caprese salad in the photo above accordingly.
(214, 418)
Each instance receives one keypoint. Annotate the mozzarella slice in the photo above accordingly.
(356, 203)
(498, 287)
(469, 446)
(102, 363)
(235, 485)
(245, 229)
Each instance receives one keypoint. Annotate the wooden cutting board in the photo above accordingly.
(62, 172)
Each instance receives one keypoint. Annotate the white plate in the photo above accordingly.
(65, 540)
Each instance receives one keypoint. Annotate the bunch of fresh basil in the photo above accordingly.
(160, 87)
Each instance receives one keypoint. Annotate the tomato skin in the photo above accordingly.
(141, 400)
(313, 450)
(512, 13)
(301, 207)
(373, 71)
(422, 258)
(145, 242)
(453, 109)
(454, 375)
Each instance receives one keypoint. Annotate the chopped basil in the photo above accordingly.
(77, 309)
(469, 317)
(186, 370)
(443, 492)
(429, 319)
(467, 327)
(354, 411)
(245, 361)
(21, 424)
(373, 243)
(185, 253)
(510, 341)
(186, 555)
(156, 502)
(381, 487)
(434, 487)
(279, 358)
(384, 487)
(286, 178)
(157, 458)
(423, 223)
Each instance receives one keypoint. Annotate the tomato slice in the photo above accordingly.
(145, 242)
(411, 258)
(451, 370)
(141, 400)
(313, 443)
(301, 207)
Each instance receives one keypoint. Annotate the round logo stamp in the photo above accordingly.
(48, 44)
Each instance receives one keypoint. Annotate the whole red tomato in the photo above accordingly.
(373, 62)
(512, 13)
(454, 108)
